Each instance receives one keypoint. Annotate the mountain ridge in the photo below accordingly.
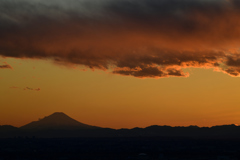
(60, 125)
(57, 120)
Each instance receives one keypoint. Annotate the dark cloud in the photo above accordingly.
(233, 71)
(150, 72)
(233, 61)
(140, 38)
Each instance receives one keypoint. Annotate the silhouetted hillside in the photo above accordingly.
(57, 120)
(60, 125)
(7, 128)
(8, 131)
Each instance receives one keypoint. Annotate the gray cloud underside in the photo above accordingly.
(140, 38)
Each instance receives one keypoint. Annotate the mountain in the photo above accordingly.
(59, 125)
(57, 120)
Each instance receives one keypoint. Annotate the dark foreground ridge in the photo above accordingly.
(59, 125)
(118, 148)
(59, 137)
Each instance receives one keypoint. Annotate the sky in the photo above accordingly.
(120, 63)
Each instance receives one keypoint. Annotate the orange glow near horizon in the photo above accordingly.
(106, 100)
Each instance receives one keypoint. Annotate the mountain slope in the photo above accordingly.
(57, 120)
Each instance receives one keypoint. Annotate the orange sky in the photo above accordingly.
(101, 98)
(120, 63)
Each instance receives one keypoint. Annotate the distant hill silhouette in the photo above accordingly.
(59, 125)
(7, 128)
(57, 120)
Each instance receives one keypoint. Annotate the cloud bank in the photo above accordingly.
(140, 38)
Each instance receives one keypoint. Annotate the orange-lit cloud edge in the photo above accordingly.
(140, 38)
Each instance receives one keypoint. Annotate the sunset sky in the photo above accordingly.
(120, 63)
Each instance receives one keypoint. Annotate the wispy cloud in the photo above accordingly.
(26, 88)
(5, 66)
(140, 38)
(14, 87)
(32, 89)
